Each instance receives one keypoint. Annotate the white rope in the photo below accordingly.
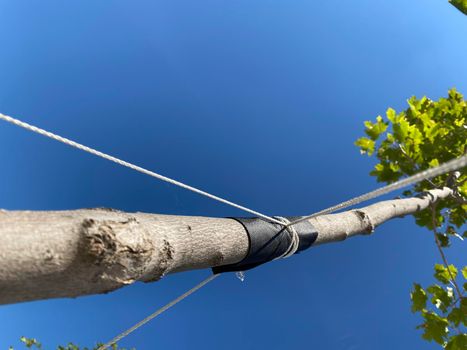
(157, 313)
(294, 238)
(452, 165)
(131, 166)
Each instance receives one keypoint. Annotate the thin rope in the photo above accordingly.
(452, 165)
(157, 313)
(294, 238)
(131, 166)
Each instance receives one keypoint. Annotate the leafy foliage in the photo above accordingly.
(425, 135)
(32, 343)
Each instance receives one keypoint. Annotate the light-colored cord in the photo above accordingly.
(131, 166)
(294, 238)
(452, 165)
(157, 313)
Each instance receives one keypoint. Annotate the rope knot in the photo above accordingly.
(293, 234)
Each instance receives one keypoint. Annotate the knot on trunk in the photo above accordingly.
(367, 222)
(119, 250)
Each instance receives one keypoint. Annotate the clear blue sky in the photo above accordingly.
(257, 101)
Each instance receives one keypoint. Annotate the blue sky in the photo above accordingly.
(256, 101)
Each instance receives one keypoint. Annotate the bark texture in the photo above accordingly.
(54, 254)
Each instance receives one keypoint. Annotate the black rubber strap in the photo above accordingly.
(268, 241)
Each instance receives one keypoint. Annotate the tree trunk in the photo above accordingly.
(52, 254)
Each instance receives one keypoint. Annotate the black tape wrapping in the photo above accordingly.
(268, 241)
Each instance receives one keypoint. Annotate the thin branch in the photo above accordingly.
(440, 249)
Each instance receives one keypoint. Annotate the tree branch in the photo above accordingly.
(72, 253)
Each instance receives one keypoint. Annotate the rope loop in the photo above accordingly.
(294, 237)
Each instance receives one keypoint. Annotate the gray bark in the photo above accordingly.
(52, 254)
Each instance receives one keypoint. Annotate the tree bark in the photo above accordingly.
(53, 254)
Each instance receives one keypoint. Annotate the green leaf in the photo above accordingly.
(366, 145)
(442, 274)
(443, 240)
(30, 342)
(457, 342)
(418, 297)
(464, 272)
(401, 130)
(441, 298)
(391, 115)
(456, 316)
(376, 129)
(390, 138)
(435, 327)
(433, 163)
(461, 5)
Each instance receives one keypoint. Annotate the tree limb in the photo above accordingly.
(53, 254)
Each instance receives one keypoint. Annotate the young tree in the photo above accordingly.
(425, 135)
(73, 253)
(105, 249)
